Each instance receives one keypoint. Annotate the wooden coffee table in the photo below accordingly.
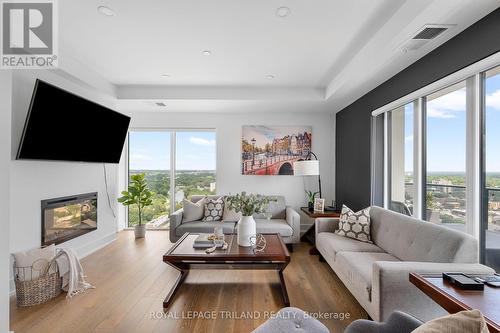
(183, 257)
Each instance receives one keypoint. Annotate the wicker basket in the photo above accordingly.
(39, 290)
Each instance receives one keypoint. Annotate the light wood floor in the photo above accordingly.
(132, 281)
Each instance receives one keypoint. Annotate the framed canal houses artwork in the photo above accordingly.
(271, 150)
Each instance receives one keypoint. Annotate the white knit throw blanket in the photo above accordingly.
(72, 273)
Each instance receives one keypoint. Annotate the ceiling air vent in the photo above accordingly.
(429, 33)
(425, 34)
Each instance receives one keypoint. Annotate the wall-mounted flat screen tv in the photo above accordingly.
(64, 127)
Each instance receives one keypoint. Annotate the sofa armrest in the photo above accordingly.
(325, 224)
(175, 221)
(398, 322)
(293, 219)
(392, 290)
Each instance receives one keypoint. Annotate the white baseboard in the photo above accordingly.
(96, 245)
(81, 251)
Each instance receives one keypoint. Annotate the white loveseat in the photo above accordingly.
(377, 274)
(285, 221)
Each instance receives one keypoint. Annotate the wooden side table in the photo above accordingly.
(309, 235)
(454, 299)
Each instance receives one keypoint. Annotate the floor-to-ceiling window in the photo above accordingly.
(149, 153)
(154, 152)
(402, 180)
(446, 149)
(455, 179)
(492, 168)
(194, 165)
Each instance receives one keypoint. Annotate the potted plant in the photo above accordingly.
(247, 205)
(138, 194)
(310, 199)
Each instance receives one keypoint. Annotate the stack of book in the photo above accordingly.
(204, 241)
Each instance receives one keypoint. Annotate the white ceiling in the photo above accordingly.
(323, 56)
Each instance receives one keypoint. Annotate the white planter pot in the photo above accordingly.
(140, 231)
(246, 229)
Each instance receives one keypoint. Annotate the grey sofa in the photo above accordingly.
(377, 274)
(285, 221)
(290, 320)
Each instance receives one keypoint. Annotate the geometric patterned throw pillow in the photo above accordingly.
(355, 225)
(214, 209)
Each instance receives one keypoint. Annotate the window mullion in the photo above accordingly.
(387, 160)
(173, 156)
(473, 155)
(419, 158)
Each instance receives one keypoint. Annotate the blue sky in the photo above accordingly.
(151, 150)
(446, 131)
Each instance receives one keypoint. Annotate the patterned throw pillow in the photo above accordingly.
(462, 322)
(214, 209)
(355, 225)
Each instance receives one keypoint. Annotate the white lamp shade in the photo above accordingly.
(306, 168)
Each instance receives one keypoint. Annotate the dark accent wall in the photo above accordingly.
(353, 123)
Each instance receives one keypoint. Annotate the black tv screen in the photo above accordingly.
(64, 127)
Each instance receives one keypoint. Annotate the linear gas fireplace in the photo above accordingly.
(68, 217)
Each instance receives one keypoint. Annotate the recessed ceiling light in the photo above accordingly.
(207, 52)
(270, 77)
(104, 10)
(283, 12)
(161, 104)
(165, 76)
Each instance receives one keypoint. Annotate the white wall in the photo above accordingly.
(228, 130)
(5, 123)
(33, 181)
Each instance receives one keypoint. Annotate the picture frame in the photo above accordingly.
(319, 205)
(273, 150)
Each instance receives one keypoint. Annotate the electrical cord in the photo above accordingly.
(107, 190)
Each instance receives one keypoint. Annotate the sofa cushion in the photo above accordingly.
(276, 208)
(214, 209)
(462, 322)
(334, 243)
(204, 227)
(357, 268)
(274, 226)
(192, 211)
(410, 239)
(355, 224)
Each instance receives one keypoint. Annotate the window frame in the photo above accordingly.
(474, 77)
(388, 152)
(173, 158)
